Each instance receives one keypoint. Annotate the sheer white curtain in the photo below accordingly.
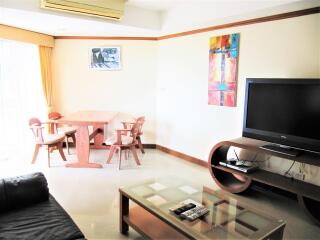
(21, 98)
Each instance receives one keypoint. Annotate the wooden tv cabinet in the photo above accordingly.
(234, 181)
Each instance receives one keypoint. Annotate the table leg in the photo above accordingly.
(82, 148)
(124, 211)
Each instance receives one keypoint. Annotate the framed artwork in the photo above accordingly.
(105, 58)
(223, 61)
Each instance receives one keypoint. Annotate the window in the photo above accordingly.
(21, 98)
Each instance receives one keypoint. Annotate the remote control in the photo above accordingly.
(184, 208)
(191, 211)
(194, 212)
(198, 214)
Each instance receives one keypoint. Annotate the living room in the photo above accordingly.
(164, 77)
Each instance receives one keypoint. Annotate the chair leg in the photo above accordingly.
(67, 143)
(48, 156)
(120, 151)
(135, 155)
(35, 153)
(112, 149)
(140, 144)
(126, 154)
(73, 136)
(51, 149)
(61, 151)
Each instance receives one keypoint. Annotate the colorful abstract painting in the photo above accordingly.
(223, 58)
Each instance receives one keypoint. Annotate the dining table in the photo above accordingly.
(82, 120)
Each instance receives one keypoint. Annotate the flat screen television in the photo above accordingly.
(284, 112)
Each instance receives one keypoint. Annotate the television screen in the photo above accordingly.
(284, 111)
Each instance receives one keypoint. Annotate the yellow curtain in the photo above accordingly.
(46, 73)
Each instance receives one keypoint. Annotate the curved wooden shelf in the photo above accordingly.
(226, 178)
(236, 182)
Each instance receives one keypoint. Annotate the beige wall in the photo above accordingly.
(168, 81)
(129, 91)
(185, 122)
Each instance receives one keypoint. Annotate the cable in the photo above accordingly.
(236, 155)
(286, 173)
(252, 160)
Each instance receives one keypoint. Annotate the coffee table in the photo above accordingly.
(149, 213)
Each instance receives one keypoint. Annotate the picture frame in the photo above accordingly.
(223, 64)
(105, 58)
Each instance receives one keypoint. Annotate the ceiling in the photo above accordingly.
(144, 17)
(156, 5)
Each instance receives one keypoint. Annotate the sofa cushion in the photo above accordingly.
(21, 191)
(40, 221)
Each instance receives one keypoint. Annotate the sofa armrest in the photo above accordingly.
(21, 191)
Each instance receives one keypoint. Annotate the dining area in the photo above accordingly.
(88, 131)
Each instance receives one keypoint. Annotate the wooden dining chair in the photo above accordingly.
(128, 125)
(69, 131)
(49, 140)
(125, 139)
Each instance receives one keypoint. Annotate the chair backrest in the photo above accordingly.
(133, 132)
(53, 126)
(35, 126)
(34, 121)
(141, 121)
(135, 129)
(54, 116)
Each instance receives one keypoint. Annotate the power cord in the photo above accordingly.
(252, 160)
(287, 172)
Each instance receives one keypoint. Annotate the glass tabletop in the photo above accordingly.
(227, 217)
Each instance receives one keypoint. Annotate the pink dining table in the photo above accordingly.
(82, 120)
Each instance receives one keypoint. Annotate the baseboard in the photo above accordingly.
(171, 152)
(182, 156)
(149, 146)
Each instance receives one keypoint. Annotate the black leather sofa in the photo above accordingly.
(29, 211)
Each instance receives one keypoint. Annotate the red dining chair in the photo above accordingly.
(128, 125)
(49, 140)
(125, 139)
(69, 131)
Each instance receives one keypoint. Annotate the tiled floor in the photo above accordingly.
(91, 196)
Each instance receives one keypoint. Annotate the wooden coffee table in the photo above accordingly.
(149, 214)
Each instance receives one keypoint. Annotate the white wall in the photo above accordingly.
(168, 80)
(129, 91)
(185, 122)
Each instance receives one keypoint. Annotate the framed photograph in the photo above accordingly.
(105, 58)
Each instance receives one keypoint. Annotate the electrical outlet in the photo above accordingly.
(297, 175)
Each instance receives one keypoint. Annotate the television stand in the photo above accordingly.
(235, 181)
(282, 149)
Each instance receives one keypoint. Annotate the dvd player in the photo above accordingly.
(241, 168)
